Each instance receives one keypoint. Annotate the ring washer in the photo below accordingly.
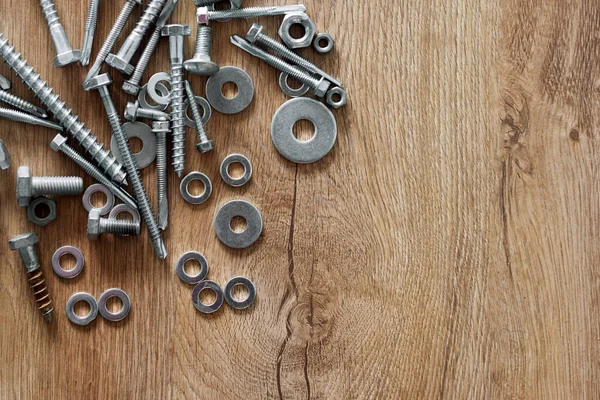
(180, 267)
(202, 102)
(185, 190)
(289, 91)
(76, 298)
(214, 90)
(238, 208)
(121, 208)
(236, 158)
(110, 316)
(95, 188)
(59, 270)
(207, 285)
(152, 85)
(228, 292)
(162, 89)
(143, 132)
(283, 137)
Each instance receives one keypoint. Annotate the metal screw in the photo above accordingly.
(59, 144)
(204, 14)
(121, 60)
(176, 33)
(205, 145)
(19, 116)
(132, 85)
(201, 64)
(98, 225)
(319, 86)
(65, 54)
(21, 104)
(25, 244)
(29, 186)
(101, 83)
(4, 156)
(105, 161)
(112, 37)
(255, 36)
(90, 30)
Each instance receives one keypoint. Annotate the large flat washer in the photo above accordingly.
(214, 90)
(143, 132)
(282, 133)
(238, 208)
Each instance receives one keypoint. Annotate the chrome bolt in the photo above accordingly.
(19, 116)
(29, 186)
(90, 30)
(204, 14)
(65, 54)
(205, 145)
(97, 226)
(21, 104)
(200, 63)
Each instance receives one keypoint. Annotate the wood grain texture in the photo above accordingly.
(446, 248)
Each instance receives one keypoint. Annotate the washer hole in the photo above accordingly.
(114, 304)
(41, 210)
(297, 31)
(98, 199)
(293, 83)
(240, 293)
(236, 170)
(238, 224)
(192, 268)
(135, 145)
(230, 90)
(304, 130)
(82, 309)
(207, 297)
(67, 262)
(124, 216)
(196, 188)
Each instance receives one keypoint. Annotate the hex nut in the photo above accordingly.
(4, 156)
(323, 49)
(337, 91)
(39, 221)
(310, 29)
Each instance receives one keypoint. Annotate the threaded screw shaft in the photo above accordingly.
(56, 185)
(205, 145)
(19, 116)
(254, 12)
(21, 104)
(177, 119)
(203, 41)
(90, 30)
(119, 227)
(37, 283)
(161, 128)
(65, 54)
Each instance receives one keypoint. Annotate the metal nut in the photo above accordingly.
(32, 215)
(310, 29)
(331, 97)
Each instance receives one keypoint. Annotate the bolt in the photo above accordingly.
(21, 104)
(29, 186)
(112, 37)
(59, 144)
(19, 116)
(98, 225)
(133, 112)
(176, 33)
(4, 83)
(90, 30)
(255, 36)
(101, 83)
(205, 145)
(204, 14)
(4, 156)
(105, 161)
(121, 61)
(201, 64)
(65, 54)
(319, 86)
(161, 128)
(25, 244)
(132, 85)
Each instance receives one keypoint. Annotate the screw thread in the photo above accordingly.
(177, 118)
(19, 116)
(149, 16)
(282, 50)
(19, 103)
(50, 13)
(161, 177)
(142, 64)
(254, 12)
(43, 302)
(292, 70)
(119, 227)
(195, 112)
(56, 185)
(203, 41)
(90, 29)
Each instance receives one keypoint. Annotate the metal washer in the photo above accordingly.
(289, 91)
(110, 316)
(162, 89)
(185, 190)
(121, 208)
(79, 262)
(238, 208)
(207, 285)
(283, 137)
(180, 267)
(214, 90)
(95, 188)
(70, 308)
(207, 112)
(236, 158)
(228, 292)
(143, 132)
(152, 87)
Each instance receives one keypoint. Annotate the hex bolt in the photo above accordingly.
(25, 244)
(4, 156)
(121, 61)
(132, 85)
(59, 144)
(90, 30)
(65, 54)
(111, 39)
(205, 145)
(101, 83)
(201, 64)
(21, 104)
(133, 112)
(319, 86)
(97, 226)
(19, 116)
(176, 34)
(29, 186)
(204, 14)
(105, 161)
(255, 36)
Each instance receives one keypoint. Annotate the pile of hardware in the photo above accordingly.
(164, 101)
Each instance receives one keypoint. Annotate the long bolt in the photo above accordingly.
(21, 104)
(101, 83)
(30, 186)
(204, 145)
(65, 54)
(98, 225)
(176, 33)
(60, 144)
(132, 85)
(121, 61)
(105, 161)
(25, 244)
(161, 128)
(319, 86)
(255, 36)
(90, 30)
(19, 116)
(112, 37)
(200, 63)
(204, 14)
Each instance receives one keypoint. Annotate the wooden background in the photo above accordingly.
(447, 247)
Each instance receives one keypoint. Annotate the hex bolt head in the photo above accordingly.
(119, 64)
(254, 32)
(322, 87)
(23, 241)
(131, 110)
(97, 81)
(23, 186)
(57, 142)
(67, 58)
(130, 88)
(93, 226)
(205, 147)
(202, 15)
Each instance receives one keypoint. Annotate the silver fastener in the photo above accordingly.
(29, 186)
(34, 207)
(204, 145)
(4, 83)
(19, 116)
(133, 111)
(65, 54)
(310, 29)
(21, 104)
(4, 156)
(90, 30)
(235, 4)
(204, 14)
(200, 63)
(97, 226)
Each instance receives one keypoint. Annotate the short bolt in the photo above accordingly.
(29, 186)
(65, 54)
(90, 30)
(133, 112)
(18, 116)
(97, 226)
(204, 14)
(205, 145)
(201, 64)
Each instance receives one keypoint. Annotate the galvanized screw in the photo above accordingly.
(19, 116)
(204, 14)
(98, 225)
(90, 30)
(21, 104)
(29, 186)
(65, 54)
(59, 144)
(205, 145)
(201, 64)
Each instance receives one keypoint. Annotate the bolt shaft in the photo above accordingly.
(254, 12)
(21, 104)
(203, 41)
(19, 116)
(56, 185)
(196, 113)
(90, 30)
(161, 131)
(59, 37)
(119, 227)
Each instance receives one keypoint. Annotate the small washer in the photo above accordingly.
(76, 298)
(289, 91)
(143, 132)
(124, 208)
(79, 261)
(207, 285)
(185, 192)
(162, 89)
(180, 267)
(152, 85)
(236, 158)
(214, 90)
(323, 49)
(207, 112)
(283, 137)
(95, 188)
(110, 316)
(228, 292)
(238, 208)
